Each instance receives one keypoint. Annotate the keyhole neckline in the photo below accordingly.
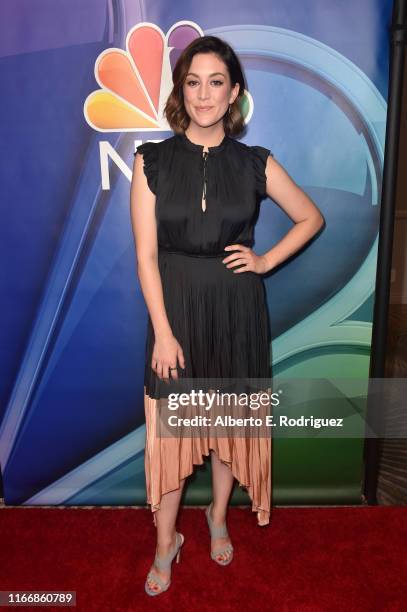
(183, 138)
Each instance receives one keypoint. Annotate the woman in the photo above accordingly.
(194, 197)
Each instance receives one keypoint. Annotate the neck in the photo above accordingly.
(205, 138)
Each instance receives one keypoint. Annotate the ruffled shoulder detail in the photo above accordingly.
(259, 160)
(149, 152)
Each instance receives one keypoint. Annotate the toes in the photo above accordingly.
(153, 585)
(223, 556)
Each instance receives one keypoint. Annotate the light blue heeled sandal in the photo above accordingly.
(164, 563)
(219, 532)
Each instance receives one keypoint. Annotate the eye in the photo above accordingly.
(219, 83)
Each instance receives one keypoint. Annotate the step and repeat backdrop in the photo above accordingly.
(84, 83)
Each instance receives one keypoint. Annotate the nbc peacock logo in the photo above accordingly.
(135, 83)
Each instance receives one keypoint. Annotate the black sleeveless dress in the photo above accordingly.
(219, 318)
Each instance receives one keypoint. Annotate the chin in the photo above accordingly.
(206, 121)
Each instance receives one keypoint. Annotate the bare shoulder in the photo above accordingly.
(276, 175)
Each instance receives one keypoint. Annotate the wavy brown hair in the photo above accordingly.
(174, 110)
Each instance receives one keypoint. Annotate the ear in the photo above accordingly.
(235, 90)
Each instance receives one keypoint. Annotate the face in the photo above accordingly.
(207, 90)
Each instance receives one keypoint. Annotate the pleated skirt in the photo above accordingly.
(221, 321)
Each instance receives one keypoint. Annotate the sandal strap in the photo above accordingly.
(219, 532)
(153, 576)
(222, 551)
(216, 532)
(165, 562)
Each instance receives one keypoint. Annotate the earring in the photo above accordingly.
(230, 106)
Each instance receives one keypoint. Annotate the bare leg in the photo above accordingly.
(222, 483)
(166, 518)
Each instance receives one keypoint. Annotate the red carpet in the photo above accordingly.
(307, 559)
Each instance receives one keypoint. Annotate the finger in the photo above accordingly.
(159, 370)
(165, 372)
(174, 372)
(233, 247)
(232, 258)
(244, 269)
(237, 262)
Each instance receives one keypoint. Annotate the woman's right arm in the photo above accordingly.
(142, 209)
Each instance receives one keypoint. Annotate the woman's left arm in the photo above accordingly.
(299, 207)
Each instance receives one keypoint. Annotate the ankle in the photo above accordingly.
(218, 514)
(166, 543)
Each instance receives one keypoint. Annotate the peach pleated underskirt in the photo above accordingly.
(168, 460)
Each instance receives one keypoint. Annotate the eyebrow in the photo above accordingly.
(212, 74)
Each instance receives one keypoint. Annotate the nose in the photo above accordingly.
(202, 95)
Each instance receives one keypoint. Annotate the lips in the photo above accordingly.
(203, 108)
